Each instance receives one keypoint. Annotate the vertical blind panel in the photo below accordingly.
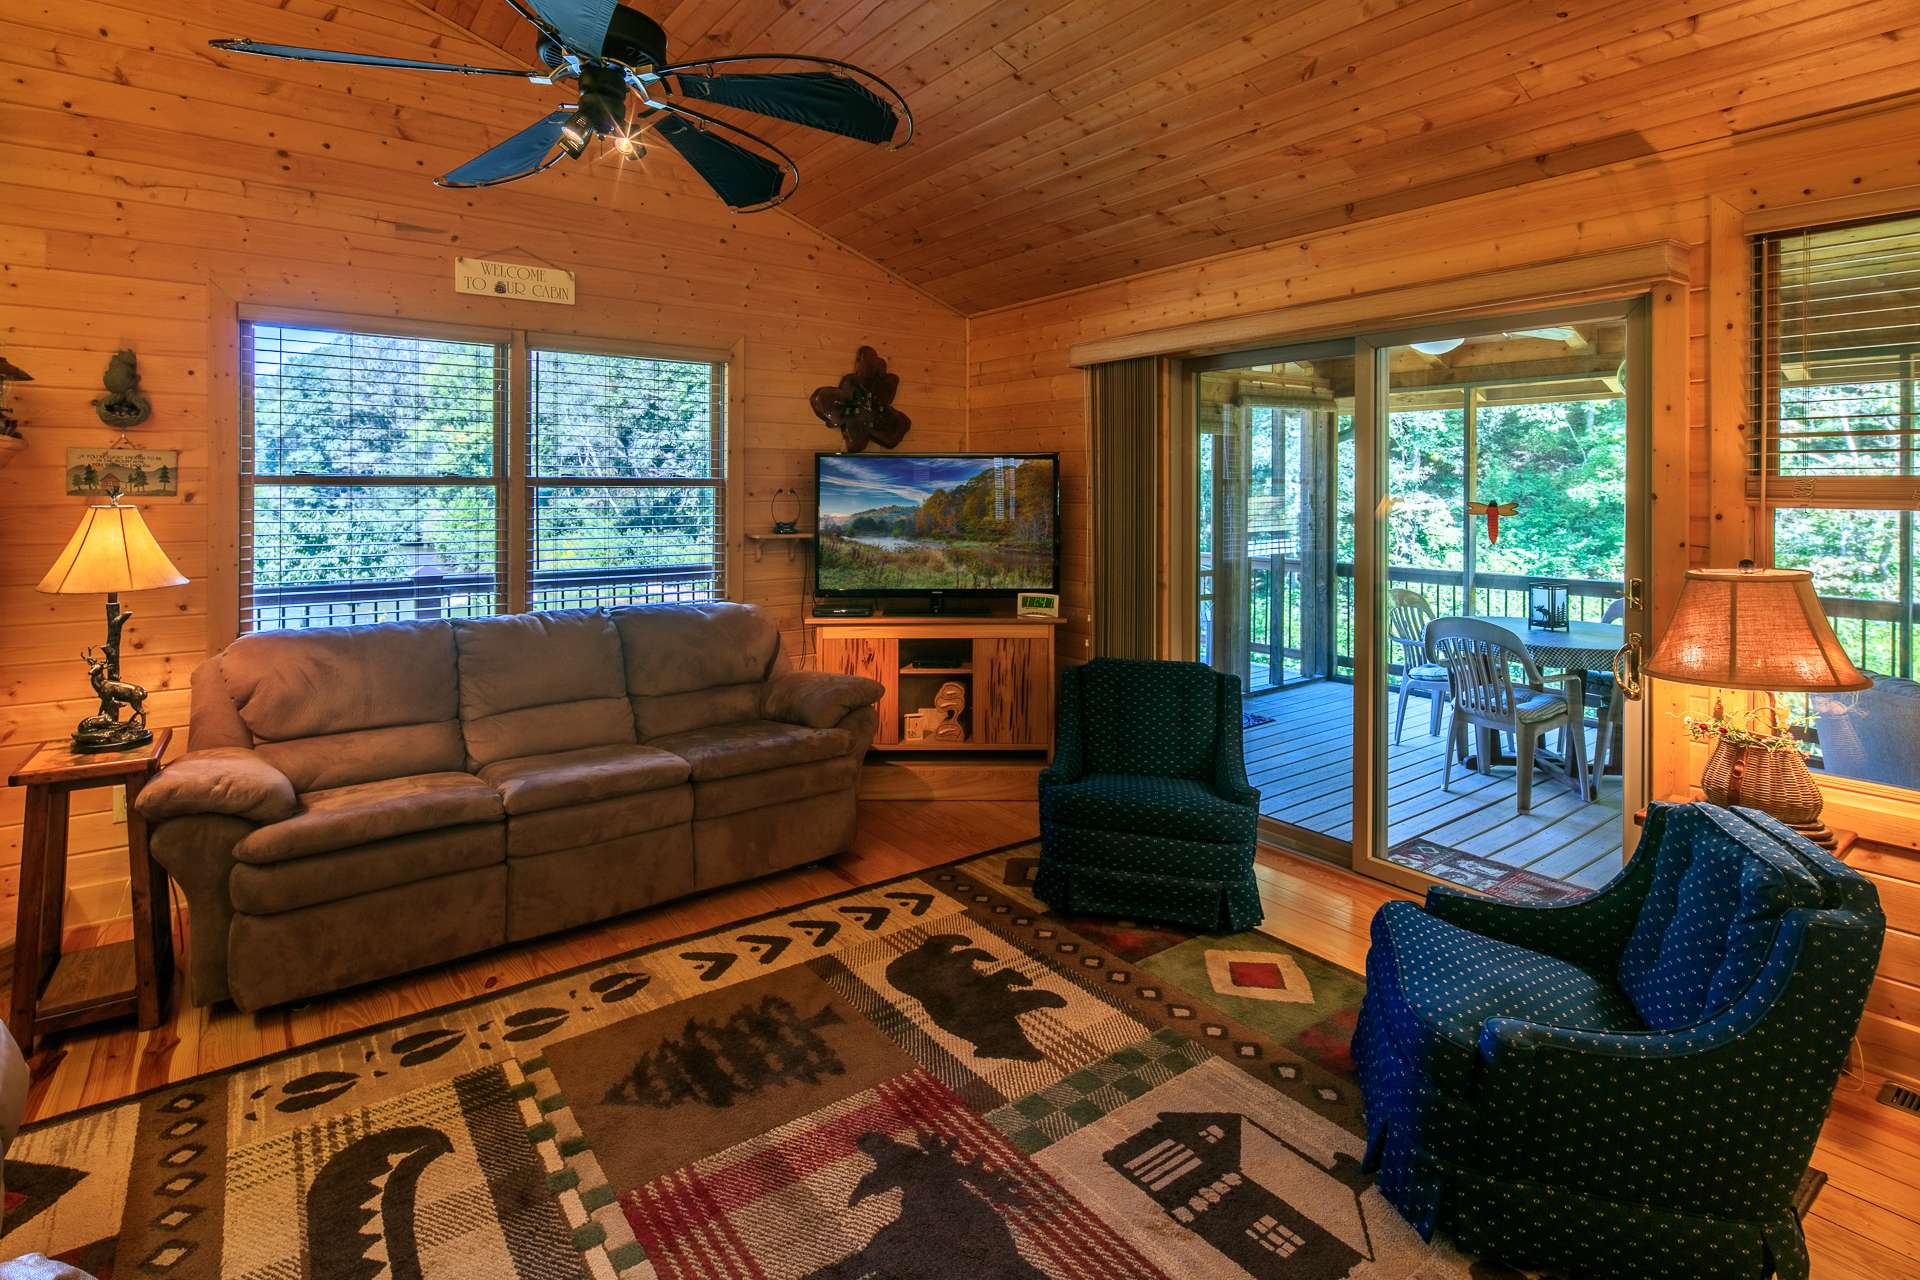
(333, 555)
(1837, 350)
(622, 417)
(602, 545)
(329, 403)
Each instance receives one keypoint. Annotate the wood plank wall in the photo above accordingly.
(148, 185)
(1022, 388)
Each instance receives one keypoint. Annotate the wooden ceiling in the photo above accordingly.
(1064, 143)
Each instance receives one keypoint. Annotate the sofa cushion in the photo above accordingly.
(752, 746)
(696, 709)
(345, 817)
(724, 796)
(532, 783)
(264, 888)
(689, 666)
(1720, 888)
(1435, 984)
(574, 826)
(675, 648)
(325, 761)
(391, 686)
(536, 683)
(1149, 805)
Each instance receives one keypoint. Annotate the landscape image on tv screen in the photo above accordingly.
(919, 523)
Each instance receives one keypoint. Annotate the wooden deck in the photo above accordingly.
(1303, 765)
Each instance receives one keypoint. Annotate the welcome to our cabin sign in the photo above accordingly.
(514, 280)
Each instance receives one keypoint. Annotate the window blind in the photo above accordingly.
(369, 485)
(626, 472)
(1836, 353)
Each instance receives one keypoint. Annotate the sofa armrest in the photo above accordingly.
(818, 699)
(1590, 931)
(234, 781)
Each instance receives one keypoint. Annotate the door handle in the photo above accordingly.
(1635, 592)
(1626, 667)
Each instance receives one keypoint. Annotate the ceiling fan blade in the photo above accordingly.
(524, 154)
(817, 99)
(742, 178)
(295, 53)
(580, 25)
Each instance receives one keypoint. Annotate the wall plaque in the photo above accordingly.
(131, 473)
(515, 280)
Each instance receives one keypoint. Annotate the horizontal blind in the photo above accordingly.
(368, 477)
(1836, 351)
(626, 478)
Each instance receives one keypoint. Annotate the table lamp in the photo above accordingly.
(111, 551)
(1763, 630)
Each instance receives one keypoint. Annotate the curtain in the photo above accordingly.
(1126, 508)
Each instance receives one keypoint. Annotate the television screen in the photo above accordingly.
(921, 523)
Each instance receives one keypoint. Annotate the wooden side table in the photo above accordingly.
(55, 992)
(1843, 840)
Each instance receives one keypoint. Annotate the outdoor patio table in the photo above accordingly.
(1583, 646)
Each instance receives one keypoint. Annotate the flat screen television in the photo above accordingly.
(936, 524)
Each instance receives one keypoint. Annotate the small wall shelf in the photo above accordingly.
(793, 541)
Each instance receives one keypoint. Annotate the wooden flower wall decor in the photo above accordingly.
(860, 407)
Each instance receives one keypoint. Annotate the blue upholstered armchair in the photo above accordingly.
(1145, 811)
(1629, 1083)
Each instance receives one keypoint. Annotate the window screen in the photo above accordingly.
(368, 484)
(626, 472)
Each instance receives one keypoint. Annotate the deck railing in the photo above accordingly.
(464, 595)
(1869, 630)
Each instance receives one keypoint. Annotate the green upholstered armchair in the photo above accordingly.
(1629, 1083)
(1145, 811)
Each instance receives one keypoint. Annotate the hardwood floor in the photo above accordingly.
(1303, 765)
(1865, 1223)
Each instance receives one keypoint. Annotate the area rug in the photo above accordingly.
(930, 1079)
(1510, 884)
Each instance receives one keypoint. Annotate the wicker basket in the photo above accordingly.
(1774, 782)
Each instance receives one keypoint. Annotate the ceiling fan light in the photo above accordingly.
(575, 134)
(1438, 347)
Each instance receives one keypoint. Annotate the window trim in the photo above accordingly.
(1876, 810)
(512, 440)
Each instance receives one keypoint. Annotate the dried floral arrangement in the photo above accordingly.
(1743, 729)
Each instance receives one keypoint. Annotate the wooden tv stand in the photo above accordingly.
(1004, 662)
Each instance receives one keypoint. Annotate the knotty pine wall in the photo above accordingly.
(148, 186)
(1024, 393)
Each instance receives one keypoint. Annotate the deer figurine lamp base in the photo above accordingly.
(105, 730)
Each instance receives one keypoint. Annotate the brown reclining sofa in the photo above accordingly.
(361, 801)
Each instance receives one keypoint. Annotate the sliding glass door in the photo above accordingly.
(1357, 500)
(1505, 582)
(1273, 456)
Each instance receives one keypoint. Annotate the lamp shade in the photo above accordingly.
(112, 550)
(1758, 629)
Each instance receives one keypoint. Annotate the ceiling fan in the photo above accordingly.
(617, 57)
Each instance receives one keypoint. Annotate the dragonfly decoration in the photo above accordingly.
(1492, 511)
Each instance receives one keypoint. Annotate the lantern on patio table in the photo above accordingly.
(1547, 604)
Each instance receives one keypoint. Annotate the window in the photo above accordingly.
(1836, 462)
(381, 475)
